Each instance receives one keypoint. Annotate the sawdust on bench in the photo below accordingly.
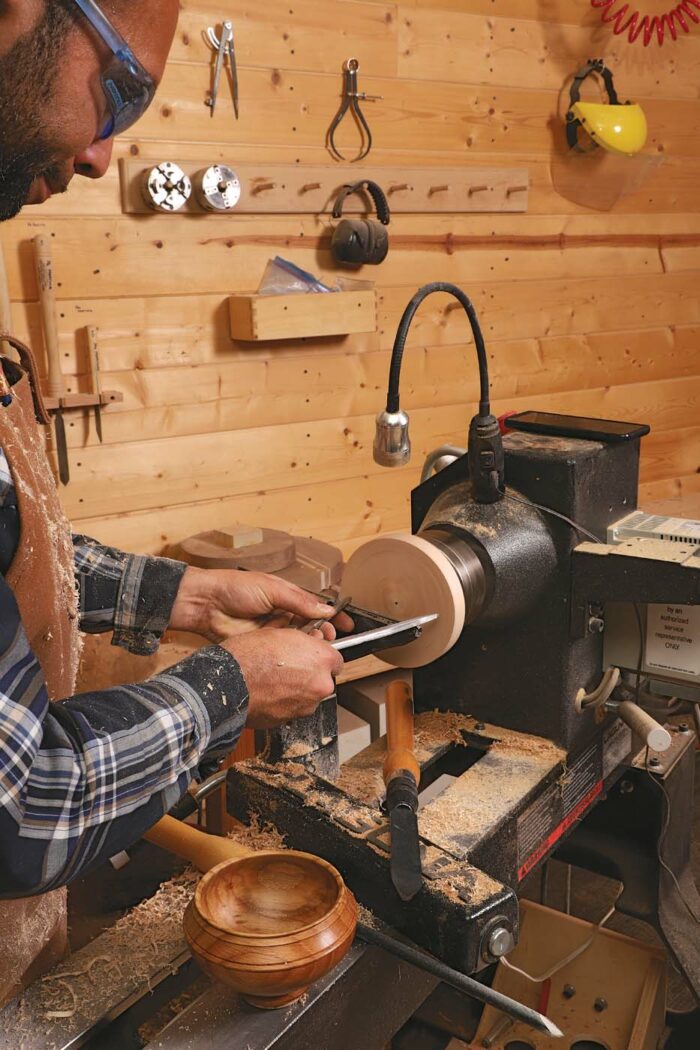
(257, 835)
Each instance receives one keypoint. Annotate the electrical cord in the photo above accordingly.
(555, 514)
(640, 653)
(556, 967)
(662, 836)
(392, 401)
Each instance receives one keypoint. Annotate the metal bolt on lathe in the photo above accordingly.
(500, 942)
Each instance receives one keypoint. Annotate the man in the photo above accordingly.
(84, 778)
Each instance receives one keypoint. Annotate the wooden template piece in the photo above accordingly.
(401, 575)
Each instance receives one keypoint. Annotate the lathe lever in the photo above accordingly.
(642, 724)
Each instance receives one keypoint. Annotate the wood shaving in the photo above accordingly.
(68, 1011)
(77, 973)
(366, 917)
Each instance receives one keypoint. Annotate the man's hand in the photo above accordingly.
(221, 603)
(287, 673)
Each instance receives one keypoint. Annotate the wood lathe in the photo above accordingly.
(556, 601)
(526, 688)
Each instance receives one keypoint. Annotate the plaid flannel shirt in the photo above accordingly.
(86, 777)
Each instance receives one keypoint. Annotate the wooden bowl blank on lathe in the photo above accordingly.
(271, 924)
(401, 576)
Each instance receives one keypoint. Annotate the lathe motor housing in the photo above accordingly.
(517, 663)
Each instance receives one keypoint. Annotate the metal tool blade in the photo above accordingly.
(482, 992)
(314, 625)
(222, 48)
(382, 632)
(405, 866)
(61, 448)
(234, 73)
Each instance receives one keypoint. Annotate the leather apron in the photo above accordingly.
(33, 931)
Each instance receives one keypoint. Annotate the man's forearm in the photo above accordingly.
(128, 594)
(84, 778)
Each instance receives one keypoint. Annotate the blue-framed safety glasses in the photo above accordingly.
(128, 87)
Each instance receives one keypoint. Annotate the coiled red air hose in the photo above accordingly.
(634, 23)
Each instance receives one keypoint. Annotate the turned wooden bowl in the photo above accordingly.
(270, 924)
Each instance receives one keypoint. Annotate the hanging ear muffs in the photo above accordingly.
(359, 241)
(618, 127)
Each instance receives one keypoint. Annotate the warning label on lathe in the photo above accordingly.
(673, 638)
(562, 804)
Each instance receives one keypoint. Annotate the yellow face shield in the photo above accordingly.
(620, 128)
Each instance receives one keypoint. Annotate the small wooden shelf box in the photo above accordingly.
(256, 317)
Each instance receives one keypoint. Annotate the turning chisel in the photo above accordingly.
(55, 386)
(94, 363)
(402, 776)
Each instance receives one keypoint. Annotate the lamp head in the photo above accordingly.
(392, 444)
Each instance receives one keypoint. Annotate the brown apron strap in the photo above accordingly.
(29, 365)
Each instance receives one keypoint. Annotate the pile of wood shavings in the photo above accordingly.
(77, 992)
(138, 940)
(257, 835)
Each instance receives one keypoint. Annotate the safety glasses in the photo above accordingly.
(128, 87)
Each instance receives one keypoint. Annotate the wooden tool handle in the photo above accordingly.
(201, 849)
(399, 731)
(44, 277)
(644, 726)
(5, 308)
(93, 358)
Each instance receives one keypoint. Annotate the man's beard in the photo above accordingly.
(17, 173)
(26, 87)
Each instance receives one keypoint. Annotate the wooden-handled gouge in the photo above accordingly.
(200, 849)
(402, 776)
(55, 386)
(94, 363)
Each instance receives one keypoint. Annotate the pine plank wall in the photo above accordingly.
(584, 311)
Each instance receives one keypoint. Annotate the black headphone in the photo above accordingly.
(358, 241)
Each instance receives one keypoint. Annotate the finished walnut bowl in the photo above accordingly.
(270, 924)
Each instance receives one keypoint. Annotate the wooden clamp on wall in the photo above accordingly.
(290, 189)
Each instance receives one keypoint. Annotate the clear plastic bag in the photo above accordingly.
(282, 277)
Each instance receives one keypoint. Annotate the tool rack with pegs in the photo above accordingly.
(289, 188)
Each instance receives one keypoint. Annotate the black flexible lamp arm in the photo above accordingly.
(392, 446)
